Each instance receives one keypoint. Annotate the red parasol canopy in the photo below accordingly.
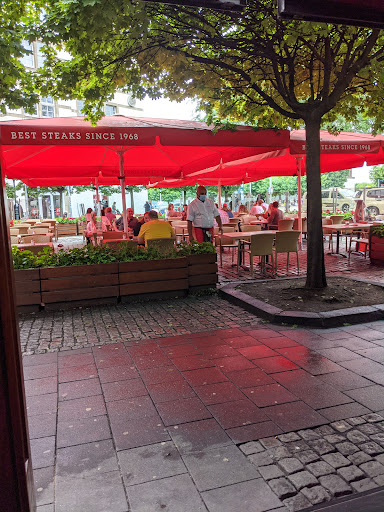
(70, 147)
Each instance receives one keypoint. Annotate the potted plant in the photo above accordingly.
(376, 244)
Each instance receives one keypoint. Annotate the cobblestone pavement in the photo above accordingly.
(254, 417)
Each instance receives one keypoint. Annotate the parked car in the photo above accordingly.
(374, 199)
(343, 202)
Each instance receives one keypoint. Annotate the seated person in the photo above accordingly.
(274, 216)
(105, 223)
(171, 212)
(154, 228)
(91, 231)
(184, 213)
(258, 208)
(108, 213)
(223, 215)
(228, 211)
(360, 212)
(133, 223)
(243, 210)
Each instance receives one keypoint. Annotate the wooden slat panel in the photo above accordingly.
(201, 280)
(201, 259)
(30, 274)
(27, 286)
(139, 266)
(79, 282)
(79, 270)
(157, 286)
(154, 275)
(26, 299)
(81, 294)
(209, 268)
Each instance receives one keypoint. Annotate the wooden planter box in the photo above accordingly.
(82, 283)
(147, 277)
(66, 230)
(202, 270)
(376, 250)
(28, 292)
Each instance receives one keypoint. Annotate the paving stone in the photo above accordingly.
(380, 458)
(270, 472)
(308, 456)
(308, 435)
(297, 503)
(347, 448)
(260, 459)
(336, 460)
(359, 458)
(372, 418)
(320, 468)
(372, 468)
(321, 446)
(355, 421)
(252, 447)
(324, 430)
(335, 438)
(369, 429)
(355, 436)
(341, 426)
(287, 438)
(379, 480)
(379, 438)
(302, 479)
(297, 446)
(316, 494)
(335, 485)
(364, 485)
(270, 442)
(351, 473)
(282, 488)
(290, 465)
(372, 448)
(281, 452)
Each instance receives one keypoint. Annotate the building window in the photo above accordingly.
(40, 55)
(27, 60)
(110, 110)
(47, 107)
(80, 106)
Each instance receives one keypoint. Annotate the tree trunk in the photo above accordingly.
(315, 246)
(132, 203)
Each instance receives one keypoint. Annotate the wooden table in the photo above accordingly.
(257, 222)
(346, 228)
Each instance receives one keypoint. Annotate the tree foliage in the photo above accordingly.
(376, 173)
(334, 179)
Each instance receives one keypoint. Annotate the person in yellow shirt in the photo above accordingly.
(154, 228)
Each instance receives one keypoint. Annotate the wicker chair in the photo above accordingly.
(163, 245)
(287, 242)
(260, 245)
(285, 224)
(113, 235)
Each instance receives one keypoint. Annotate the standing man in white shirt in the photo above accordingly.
(201, 215)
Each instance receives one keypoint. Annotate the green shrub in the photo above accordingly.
(186, 249)
(23, 259)
(377, 231)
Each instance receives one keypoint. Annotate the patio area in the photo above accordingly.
(194, 404)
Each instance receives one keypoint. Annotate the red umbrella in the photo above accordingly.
(68, 148)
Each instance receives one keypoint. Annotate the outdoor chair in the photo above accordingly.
(14, 240)
(223, 241)
(327, 232)
(23, 229)
(163, 245)
(260, 245)
(13, 231)
(247, 219)
(127, 243)
(38, 231)
(285, 224)
(251, 227)
(362, 245)
(287, 242)
(303, 225)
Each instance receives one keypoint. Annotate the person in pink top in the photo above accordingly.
(88, 214)
(91, 230)
(108, 213)
(257, 208)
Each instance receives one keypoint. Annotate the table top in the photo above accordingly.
(118, 240)
(238, 235)
(24, 246)
(346, 227)
(255, 222)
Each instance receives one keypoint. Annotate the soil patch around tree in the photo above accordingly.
(291, 294)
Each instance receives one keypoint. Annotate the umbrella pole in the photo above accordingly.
(219, 191)
(98, 209)
(122, 185)
(300, 224)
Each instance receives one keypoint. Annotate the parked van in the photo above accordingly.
(374, 199)
(343, 203)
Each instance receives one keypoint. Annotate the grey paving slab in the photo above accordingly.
(46, 508)
(81, 408)
(43, 452)
(40, 359)
(271, 394)
(294, 416)
(345, 380)
(219, 467)
(75, 359)
(183, 411)
(159, 375)
(170, 391)
(42, 386)
(40, 371)
(117, 373)
(137, 432)
(86, 459)
(149, 463)
(253, 432)
(44, 485)
(42, 425)
(84, 430)
(93, 493)
(41, 404)
(205, 376)
(237, 413)
(131, 408)
(341, 412)
(79, 389)
(251, 496)
(174, 494)
(199, 436)
(123, 389)
(371, 397)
